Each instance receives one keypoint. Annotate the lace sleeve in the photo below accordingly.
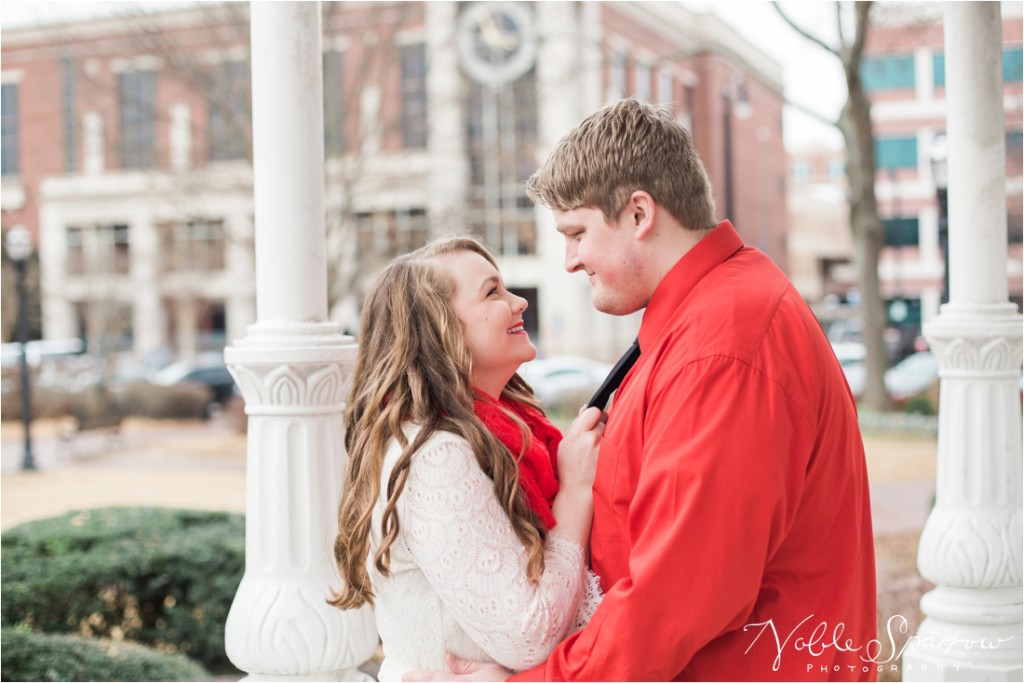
(463, 542)
(592, 597)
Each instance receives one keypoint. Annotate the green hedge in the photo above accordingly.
(29, 656)
(162, 577)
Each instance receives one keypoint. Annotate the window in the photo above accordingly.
(75, 251)
(1014, 151)
(10, 161)
(1012, 65)
(1014, 227)
(618, 74)
(115, 251)
(137, 106)
(888, 73)
(68, 77)
(414, 96)
(901, 231)
(229, 102)
(501, 157)
(939, 70)
(800, 170)
(642, 75)
(334, 103)
(193, 246)
(390, 233)
(896, 152)
(666, 88)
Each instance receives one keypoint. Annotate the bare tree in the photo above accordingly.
(854, 123)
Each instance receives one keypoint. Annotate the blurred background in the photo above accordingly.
(127, 157)
(127, 210)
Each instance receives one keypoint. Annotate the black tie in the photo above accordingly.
(615, 377)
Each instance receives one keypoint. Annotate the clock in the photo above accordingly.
(496, 41)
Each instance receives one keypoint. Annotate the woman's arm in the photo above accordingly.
(462, 541)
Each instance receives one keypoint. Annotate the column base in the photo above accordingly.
(968, 635)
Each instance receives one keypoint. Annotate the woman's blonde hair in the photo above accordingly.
(413, 364)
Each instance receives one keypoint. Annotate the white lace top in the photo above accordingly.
(458, 579)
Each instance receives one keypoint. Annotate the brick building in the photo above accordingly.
(904, 73)
(127, 147)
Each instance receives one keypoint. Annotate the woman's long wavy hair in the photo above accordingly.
(413, 364)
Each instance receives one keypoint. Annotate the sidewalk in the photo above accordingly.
(188, 464)
(202, 465)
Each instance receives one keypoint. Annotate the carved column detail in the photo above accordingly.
(280, 624)
(971, 546)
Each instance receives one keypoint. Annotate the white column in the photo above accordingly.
(447, 183)
(92, 143)
(971, 544)
(567, 323)
(181, 137)
(147, 313)
(292, 367)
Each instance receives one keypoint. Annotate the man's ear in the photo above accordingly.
(642, 208)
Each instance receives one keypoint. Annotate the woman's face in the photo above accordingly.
(491, 317)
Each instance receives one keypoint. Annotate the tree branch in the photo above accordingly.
(813, 114)
(814, 39)
(839, 24)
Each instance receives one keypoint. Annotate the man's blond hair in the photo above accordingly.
(623, 148)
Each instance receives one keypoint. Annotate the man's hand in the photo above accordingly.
(463, 669)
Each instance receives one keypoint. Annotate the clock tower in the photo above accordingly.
(496, 42)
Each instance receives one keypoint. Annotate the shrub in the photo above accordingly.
(919, 405)
(178, 401)
(30, 656)
(161, 577)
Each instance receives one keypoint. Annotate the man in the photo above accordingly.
(732, 528)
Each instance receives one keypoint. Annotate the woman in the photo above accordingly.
(452, 523)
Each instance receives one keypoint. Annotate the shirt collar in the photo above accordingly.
(716, 247)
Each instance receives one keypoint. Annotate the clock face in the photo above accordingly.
(496, 41)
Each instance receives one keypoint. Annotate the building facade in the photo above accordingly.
(127, 152)
(904, 73)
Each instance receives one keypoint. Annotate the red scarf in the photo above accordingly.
(538, 467)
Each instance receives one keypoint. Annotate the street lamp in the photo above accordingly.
(19, 249)
(940, 174)
(735, 101)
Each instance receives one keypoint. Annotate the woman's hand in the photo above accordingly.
(577, 454)
(577, 464)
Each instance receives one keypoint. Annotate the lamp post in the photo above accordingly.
(19, 249)
(735, 101)
(940, 174)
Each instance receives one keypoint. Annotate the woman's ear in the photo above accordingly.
(643, 209)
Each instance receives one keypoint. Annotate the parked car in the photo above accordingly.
(911, 376)
(564, 378)
(208, 370)
(851, 357)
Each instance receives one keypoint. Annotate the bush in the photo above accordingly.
(47, 402)
(177, 402)
(919, 405)
(30, 656)
(161, 577)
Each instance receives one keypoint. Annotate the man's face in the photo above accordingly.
(608, 253)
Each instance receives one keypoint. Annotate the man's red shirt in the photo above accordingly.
(732, 527)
